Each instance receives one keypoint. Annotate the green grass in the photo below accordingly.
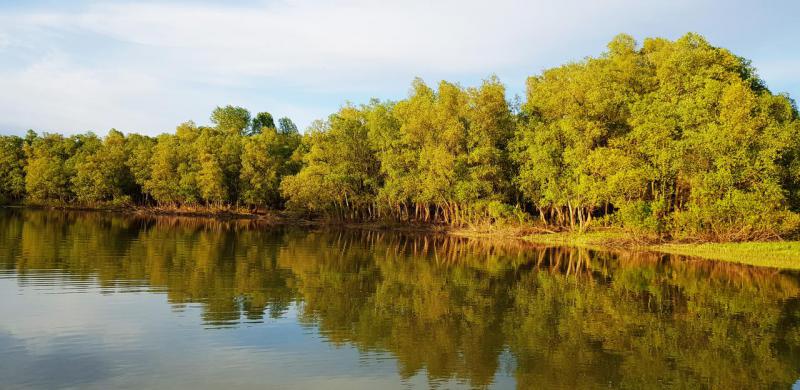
(596, 238)
(776, 254)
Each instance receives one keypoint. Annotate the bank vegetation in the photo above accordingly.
(667, 139)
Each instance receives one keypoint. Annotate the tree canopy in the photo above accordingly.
(668, 137)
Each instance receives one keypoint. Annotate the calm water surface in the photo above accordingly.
(100, 301)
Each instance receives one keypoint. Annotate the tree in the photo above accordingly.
(49, 169)
(680, 137)
(103, 174)
(261, 121)
(12, 168)
(231, 119)
(286, 126)
(487, 162)
(164, 181)
(667, 138)
(139, 150)
(266, 160)
(340, 174)
(211, 180)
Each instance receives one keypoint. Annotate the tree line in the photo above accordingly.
(668, 137)
(238, 160)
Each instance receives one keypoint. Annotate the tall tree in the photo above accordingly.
(286, 126)
(340, 176)
(262, 120)
(231, 119)
(12, 168)
(266, 159)
(48, 171)
(103, 174)
(139, 150)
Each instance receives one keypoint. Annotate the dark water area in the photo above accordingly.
(101, 301)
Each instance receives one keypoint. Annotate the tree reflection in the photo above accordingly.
(449, 306)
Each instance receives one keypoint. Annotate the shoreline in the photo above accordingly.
(781, 255)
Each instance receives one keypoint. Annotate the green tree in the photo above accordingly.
(103, 175)
(286, 126)
(139, 150)
(12, 169)
(231, 119)
(163, 183)
(261, 121)
(681, 137)
(266, 159)
(671, 138)
(50, 169)
(340, 174)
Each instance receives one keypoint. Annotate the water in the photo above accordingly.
(100, 301)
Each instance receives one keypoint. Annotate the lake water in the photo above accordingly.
(102, 301)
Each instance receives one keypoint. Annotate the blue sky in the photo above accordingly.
(145, 66)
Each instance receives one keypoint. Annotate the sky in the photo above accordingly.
(145, 66)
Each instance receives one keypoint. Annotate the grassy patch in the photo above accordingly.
(596, 238)
(776, 254)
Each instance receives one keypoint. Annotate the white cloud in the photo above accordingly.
(306, 38)
(147, 65)
(63, 95)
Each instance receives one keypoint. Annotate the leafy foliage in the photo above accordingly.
(676, 138)
(12, 168)
(681, 136)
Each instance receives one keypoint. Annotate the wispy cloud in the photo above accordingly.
(146, 66)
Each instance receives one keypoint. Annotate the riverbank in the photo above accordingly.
(155, 211)
(773, 254)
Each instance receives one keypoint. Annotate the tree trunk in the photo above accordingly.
(571, 216)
